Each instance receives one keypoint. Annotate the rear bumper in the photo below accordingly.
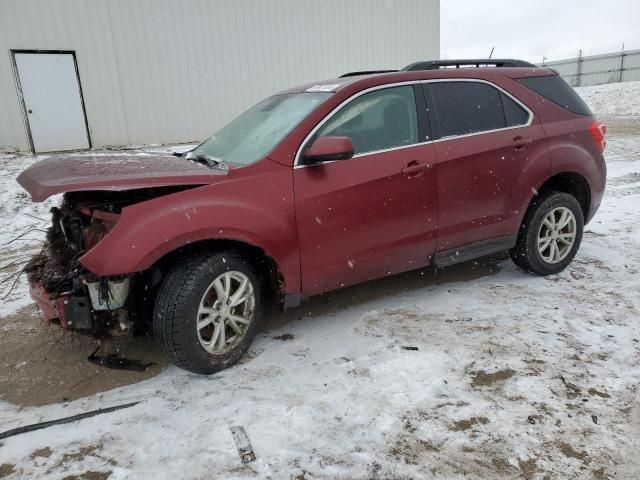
(598, 193)
(595, 205)
(51, 309)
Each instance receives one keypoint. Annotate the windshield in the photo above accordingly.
(257, 131)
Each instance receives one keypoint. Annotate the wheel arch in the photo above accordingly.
(569, 182)
(265, 264)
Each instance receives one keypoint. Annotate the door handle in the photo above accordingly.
(519, 142)
(415, 168)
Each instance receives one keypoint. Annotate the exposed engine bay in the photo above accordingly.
(64, 289)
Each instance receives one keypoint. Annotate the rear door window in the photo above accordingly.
(466, 107)
(514, 114)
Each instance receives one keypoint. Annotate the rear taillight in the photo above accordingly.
(598, 131)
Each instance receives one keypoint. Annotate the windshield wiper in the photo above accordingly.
(208, 161)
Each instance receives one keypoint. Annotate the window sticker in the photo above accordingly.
(323, 88)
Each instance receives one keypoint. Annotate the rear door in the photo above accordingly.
(485, 142)
(368, 216)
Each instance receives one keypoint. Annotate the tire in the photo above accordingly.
(187, 291)
(534, 232)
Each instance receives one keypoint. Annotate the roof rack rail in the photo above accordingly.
(473, 62)
(365, 72)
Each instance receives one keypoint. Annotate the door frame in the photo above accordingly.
(16, 76)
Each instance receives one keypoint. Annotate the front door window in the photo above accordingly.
(377, 120)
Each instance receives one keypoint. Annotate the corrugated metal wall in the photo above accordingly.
(161, 71)
(598, 69)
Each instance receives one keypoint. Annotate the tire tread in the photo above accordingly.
(172, 301)
(522, 253)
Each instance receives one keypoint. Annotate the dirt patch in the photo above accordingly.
(484, 379)
(600, 474)
(459, 403)
(6, 469)
(402, 312)
(42, 364)
(570, 452)
(535, 365)
(42, 452)
(412, 420)
(528, 468)
(572, 390)
(462, 425)
(501, 465)
(533, 419)
(593, 391)
(90, 475)
(80, 454)
(411, 449)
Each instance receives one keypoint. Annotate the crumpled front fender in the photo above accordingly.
(263, 217)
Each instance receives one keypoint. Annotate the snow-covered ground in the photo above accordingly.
(613, 99)
(514, 376)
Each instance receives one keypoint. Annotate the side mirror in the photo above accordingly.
(324, 149)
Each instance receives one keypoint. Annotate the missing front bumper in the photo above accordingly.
(71, 311)
(90, 307)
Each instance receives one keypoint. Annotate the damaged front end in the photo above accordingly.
(68, 293)
(97, 189)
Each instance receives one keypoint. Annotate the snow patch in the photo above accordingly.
(613, 99)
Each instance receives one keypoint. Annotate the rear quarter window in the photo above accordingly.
(554, 88)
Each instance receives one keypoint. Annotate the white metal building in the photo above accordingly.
(76, 74)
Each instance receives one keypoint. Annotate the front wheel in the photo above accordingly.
(207, 311)
(550, 234)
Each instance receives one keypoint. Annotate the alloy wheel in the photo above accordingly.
(557, 235)
(225, 312)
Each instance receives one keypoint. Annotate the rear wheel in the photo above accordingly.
(207, 311)
(550, 234)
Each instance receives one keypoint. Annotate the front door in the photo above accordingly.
(368, 216)
(52, 101)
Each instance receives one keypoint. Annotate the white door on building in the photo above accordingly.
(52, 100)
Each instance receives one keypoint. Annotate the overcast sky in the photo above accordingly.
(529, 29)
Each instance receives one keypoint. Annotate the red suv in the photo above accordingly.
(316, 188)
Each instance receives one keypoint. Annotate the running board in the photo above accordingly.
(474, 250)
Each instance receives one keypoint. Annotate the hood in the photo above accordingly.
(112, 172)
